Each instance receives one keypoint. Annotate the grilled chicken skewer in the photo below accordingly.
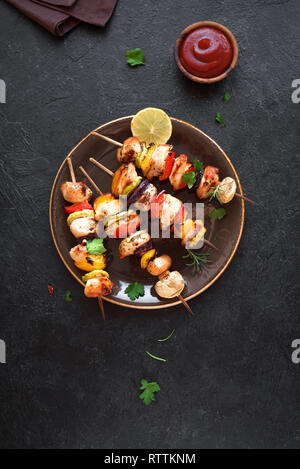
(83, 225)
(159, 160)
(170, 284)
(143, 195)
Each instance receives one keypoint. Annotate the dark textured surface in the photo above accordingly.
(229, 381)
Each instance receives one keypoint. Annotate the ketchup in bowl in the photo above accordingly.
(206, 52)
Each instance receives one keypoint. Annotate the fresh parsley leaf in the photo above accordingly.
(95, 246)
(134, 290)
(218, 213)
(135, 57)
(227, 97)
(68, 296)
(149, 390)
(220, 119)
(155, 357)
(189, 179)
(198, 165)
(167, 338)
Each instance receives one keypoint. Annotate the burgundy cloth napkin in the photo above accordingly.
(60, 16)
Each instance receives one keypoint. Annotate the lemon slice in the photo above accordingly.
(152, 125)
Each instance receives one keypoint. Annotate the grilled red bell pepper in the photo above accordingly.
(168, 166)
(78, 207)
(156, 205)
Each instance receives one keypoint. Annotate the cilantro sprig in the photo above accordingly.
(135, 290)
(95, 246)
(149, 390)
(198, 165)
(135, 57)
(227, 97)
(218, 214)
(220, 120)
(68, 296)
(190, 177)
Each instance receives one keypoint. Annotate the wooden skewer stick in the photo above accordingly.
(101, 166)
(100, 301)
(71, 169)
(118, 144)
(90, 180)
(245, 198)
(185, 304)
(97, 188)
(109, 140)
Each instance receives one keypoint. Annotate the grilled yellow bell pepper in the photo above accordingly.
(92, 262)
(193, 243)
(146, 258)
(131, 187)
(145, 162)
(141, 156)
(95, 274)
(102, 200)
(81, 214)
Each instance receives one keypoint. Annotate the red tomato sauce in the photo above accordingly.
(206, 52)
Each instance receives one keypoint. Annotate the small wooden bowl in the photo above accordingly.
(215, 25)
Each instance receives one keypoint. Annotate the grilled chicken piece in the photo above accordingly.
(158, 161)
(100, 286)
(170, 284)
(130, 150)
(120, 225)
(109, 208)
(76, 192)
(180, 167)
(169, 210)
(83, 227)
(227, 190)
(79, 252)
(209, 180)
(144, 202)
(129, 245)
(124, 176)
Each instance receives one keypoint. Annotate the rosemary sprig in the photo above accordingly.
(167, 338)
(215, 193)
(197, 258)
(155, 357)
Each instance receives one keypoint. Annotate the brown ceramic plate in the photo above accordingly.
(225, 234)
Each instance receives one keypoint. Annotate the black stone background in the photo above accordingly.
(70, 381)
